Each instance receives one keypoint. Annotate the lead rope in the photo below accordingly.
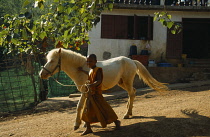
(74, 85)
(63, 84)
(77, 85)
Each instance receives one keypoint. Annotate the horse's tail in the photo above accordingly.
(148, 79)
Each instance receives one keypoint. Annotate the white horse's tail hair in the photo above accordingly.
(148, 79)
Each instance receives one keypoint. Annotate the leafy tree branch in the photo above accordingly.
(165, 19)
(62, 23)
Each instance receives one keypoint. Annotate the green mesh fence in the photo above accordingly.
(18, 90)
(20, 85)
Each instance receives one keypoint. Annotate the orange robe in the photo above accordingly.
(96, 108)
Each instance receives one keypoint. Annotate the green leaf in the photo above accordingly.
(111, 6)
(155, 18)
(85, 19)
(60, 8)
(41, 4)
(161, 20)
(163, 13)
(14, 41)
(65, 45)
(82, 10)
(170, 24)
(16, 30)
(24, 34)
(43, 35)
(169, 16)
(20, 50)
(26, 3)
(69, 10)
(66, 34)
(156, 13)
(173, 31)
(72, 1)
(1, 41)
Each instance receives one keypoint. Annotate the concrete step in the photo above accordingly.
(198, 63)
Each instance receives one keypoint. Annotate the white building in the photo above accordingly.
(132, 23)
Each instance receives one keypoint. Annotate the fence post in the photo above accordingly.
(34, 87)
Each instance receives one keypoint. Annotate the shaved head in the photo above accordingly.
(92, 56)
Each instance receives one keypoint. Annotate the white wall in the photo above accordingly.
(121, 47)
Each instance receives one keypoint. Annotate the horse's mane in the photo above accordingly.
(68, 54)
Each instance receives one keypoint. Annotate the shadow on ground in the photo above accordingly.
(160, 126)
(54, 104)
(198, 89)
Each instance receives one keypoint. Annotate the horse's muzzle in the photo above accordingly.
(43, 75)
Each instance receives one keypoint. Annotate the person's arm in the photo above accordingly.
(80, 69)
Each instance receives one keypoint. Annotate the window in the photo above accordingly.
(127, 27)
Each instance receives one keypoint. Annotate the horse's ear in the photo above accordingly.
(59, 51)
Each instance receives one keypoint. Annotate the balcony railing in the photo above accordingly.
(165, 2)
(169, 5)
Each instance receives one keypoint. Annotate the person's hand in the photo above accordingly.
(89, 85)
(90, 91)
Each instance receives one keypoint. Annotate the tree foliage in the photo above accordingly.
(39, 25)
(48, 24)
(10, 6)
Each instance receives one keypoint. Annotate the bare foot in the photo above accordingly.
(76, 127)
(87, 132)
(117, 123)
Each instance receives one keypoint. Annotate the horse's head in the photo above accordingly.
(53, 64)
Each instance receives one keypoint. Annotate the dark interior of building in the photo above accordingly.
(196, 38)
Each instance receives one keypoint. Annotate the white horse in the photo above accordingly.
(120, 70)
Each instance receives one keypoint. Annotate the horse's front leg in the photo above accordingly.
(80, 106)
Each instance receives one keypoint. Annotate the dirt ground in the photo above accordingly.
(179, 113)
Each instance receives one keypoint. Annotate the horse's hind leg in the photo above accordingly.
(132, 95)
(128, 86)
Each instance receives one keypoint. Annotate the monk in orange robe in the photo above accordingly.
(96, 108)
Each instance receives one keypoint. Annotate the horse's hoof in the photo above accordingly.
(76, 127)
(126, 117)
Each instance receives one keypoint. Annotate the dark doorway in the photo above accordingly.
(196, 38)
